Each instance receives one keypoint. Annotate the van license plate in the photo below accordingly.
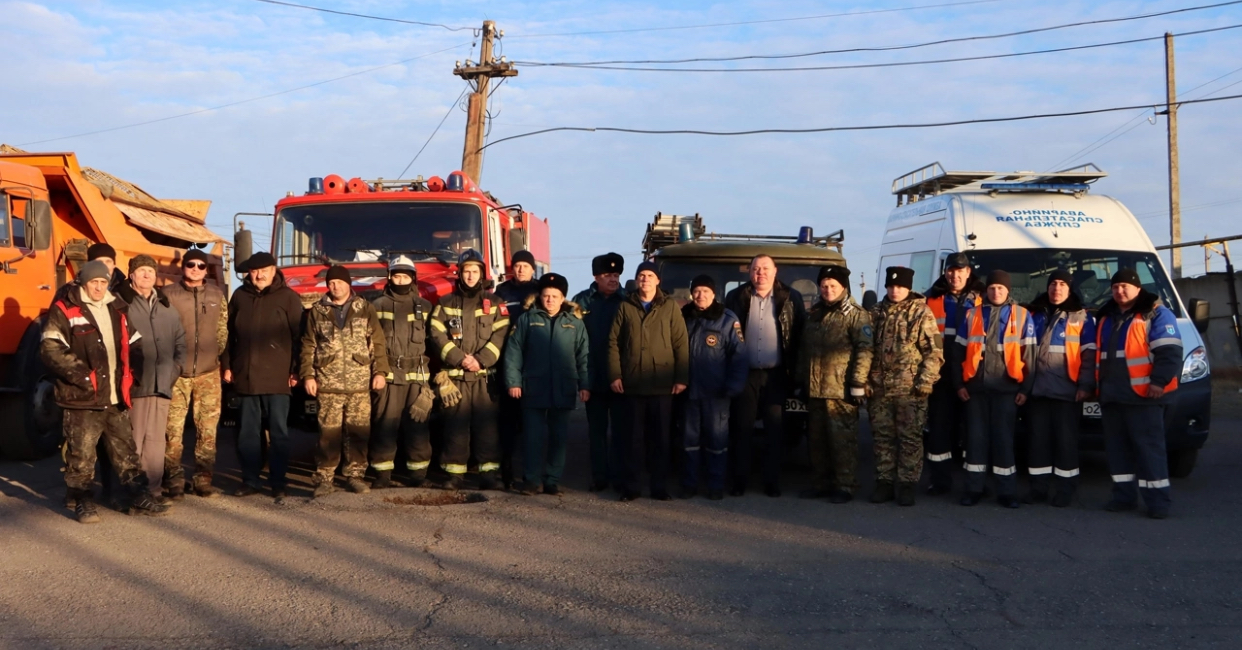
(795, 405)
(1091, 409)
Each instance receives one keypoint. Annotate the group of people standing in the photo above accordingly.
(131, 361)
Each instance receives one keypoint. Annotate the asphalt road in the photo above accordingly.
(586, 571)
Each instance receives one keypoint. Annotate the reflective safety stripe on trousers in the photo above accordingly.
(1011, 342)
(1137, 352)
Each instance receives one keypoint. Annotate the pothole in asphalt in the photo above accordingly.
(438, 499)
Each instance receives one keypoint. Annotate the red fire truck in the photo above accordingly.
(361, 224)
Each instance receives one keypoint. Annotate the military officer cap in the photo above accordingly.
(608, 263)
(899, 276)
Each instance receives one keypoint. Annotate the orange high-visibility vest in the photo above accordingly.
(1138, 355)
(1011, 342)
(1073, 344)
(937, 307)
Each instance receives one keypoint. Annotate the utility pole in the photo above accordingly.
(481, 75)
(1175, 182)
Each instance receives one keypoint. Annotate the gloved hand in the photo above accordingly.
(449, 393)
(420, 410)
(857, 396)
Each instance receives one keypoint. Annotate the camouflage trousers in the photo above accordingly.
(832, 437)
(202, 395)
(84, 429)
(344, 423)
(897, 427)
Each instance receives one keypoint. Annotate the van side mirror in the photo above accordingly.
(243, 248)
(1200, 313)
(39, 225)
(869, 299)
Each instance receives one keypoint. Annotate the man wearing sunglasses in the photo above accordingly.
(205, 319)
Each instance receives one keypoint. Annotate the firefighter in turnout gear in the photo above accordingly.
(469, 328)
(995, 370)
(404, 405)
(343, 359)
(90, 349)
(833, 369)
(1139, 362)
(1064, 378)
(515, 292)
(948, 298)
(905, 362)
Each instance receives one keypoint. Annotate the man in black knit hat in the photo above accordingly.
(514, 291)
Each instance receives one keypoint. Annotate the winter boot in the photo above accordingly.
(417, 479)
(487, 481)
(323, 489)
(905, 494)
(883, 492)
(357, 486)
(203, 487)
(383, 480)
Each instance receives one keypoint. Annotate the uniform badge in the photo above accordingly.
(737, 329)
(504, 310)
(1170, 329)
(866, 330)
(487, 306)
(712, 340)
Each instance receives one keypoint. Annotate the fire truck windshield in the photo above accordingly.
(369, 231)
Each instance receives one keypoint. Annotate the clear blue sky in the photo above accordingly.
(83, 66)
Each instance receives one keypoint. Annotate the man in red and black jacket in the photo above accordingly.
(89, 346)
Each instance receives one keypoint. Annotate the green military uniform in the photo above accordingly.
(904, 367)
(833, 366)
(342, 349)
(471, 321)
(403, 319)
(202, 310)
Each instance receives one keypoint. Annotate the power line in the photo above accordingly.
(434, 132)
(759, 22)
(886, 48)
(828, 129)
(368, 17)
(860, 66)
(243, 101)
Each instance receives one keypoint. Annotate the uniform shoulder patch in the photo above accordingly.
(504, 309)
(1170, 329)
(866, 330)
(737, 329)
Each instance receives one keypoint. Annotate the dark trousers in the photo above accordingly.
(470, 430)
(604, 409)
(648, 427)
(945, 415)
(546, 433)
(763, 397)
(990, 422)
(1137, 460)
(512, 422)
(832, 439)
(258, 412)
(392, 427)
(88, 431)
(706, 436)
(1053, 450)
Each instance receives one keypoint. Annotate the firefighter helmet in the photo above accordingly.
(469, 256)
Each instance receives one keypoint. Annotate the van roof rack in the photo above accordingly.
(662, 231)
(931, 180)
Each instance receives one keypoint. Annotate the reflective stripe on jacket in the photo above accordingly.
(1138, 353)
(1016, 322)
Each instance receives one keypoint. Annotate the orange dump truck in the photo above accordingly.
(51, 211)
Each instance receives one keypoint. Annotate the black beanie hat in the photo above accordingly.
(703, 281)
(195, 255)
(523, 256)
(555, 281)
(836, 272)
(608, 263)
(338, 272)
(99, 250)
(1128, 276)
(899, 276)
(957, 261)
(1063, 276)
(999, 277)
(647, 266)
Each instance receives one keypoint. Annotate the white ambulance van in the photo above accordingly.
(1030, 224)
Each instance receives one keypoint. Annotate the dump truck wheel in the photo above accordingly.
(1182, 462)
(32, 408)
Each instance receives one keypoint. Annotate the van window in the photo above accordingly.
(924, 265)
(1091, 270)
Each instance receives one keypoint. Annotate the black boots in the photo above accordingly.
(883, 492)
(905, 494)
(383, 480)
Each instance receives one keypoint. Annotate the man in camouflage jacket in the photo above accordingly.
(905, 365)
(832, 369)
(343, 358)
